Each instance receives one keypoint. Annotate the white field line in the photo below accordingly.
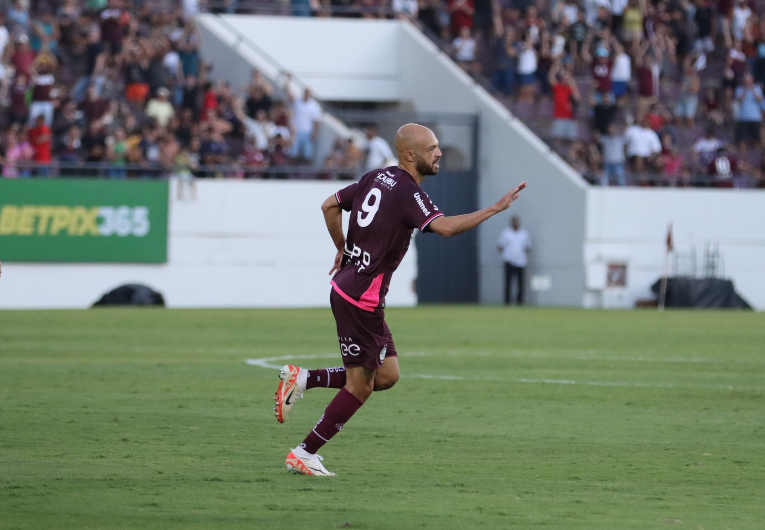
(267, 363)
(594, 356)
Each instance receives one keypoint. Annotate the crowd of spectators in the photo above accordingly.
(633, 89)
(118, 88)
(627, 91)
(664, 92)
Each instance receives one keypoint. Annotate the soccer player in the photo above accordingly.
(385, 207)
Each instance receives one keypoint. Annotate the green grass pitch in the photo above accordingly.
(503, 418)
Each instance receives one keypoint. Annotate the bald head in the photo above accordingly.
(417, 149)
(413, 135)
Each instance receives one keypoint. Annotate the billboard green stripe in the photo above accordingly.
(78, 220)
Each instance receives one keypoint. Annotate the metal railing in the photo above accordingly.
(657, 180)
(62, 169)
(306, 8)
(107, 170)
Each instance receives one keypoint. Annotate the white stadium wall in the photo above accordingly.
(240, 244)
(629, 226)
(363, 60)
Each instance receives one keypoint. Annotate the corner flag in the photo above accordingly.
(663, 286)
(670, 246)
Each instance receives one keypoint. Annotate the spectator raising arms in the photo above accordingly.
(505, 52)
(749, 98)
(565, 96)
(460, 15)
(527, 70)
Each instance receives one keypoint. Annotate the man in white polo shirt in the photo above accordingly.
(643, 145)
(379, 152)
(514, 245)
(306, 120)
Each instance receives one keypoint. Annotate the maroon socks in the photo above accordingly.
(339, 411)
(326, 378)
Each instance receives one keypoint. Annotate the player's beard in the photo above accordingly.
(424, 168)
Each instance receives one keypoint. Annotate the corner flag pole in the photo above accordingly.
(663, 287)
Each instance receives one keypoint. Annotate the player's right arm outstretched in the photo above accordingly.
(456, 224)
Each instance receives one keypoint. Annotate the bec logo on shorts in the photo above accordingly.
(348, 349)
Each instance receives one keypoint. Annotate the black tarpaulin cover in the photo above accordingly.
(700, 292)
(131, 294)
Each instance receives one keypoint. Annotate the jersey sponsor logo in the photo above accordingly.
(348, 349)
(600, 70)
(421, 203)
(384, 181)
(362, 263)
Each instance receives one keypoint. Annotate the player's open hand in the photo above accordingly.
(337, 264)
(505, 202)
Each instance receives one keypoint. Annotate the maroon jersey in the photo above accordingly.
(601, 74)
(723, 168)
(42, 88)
(111, 28)
(386, 206)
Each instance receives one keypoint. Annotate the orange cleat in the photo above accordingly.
(301, 462)
(288, 391)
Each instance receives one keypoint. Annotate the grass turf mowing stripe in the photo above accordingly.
(128, 418)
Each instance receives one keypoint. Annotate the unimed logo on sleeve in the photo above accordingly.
(78, 220)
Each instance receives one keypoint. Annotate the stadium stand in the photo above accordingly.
(659, 64)
(665, 93)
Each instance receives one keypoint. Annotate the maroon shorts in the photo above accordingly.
(364, 337)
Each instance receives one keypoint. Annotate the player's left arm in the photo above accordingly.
(456, 224)
(333, 217)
